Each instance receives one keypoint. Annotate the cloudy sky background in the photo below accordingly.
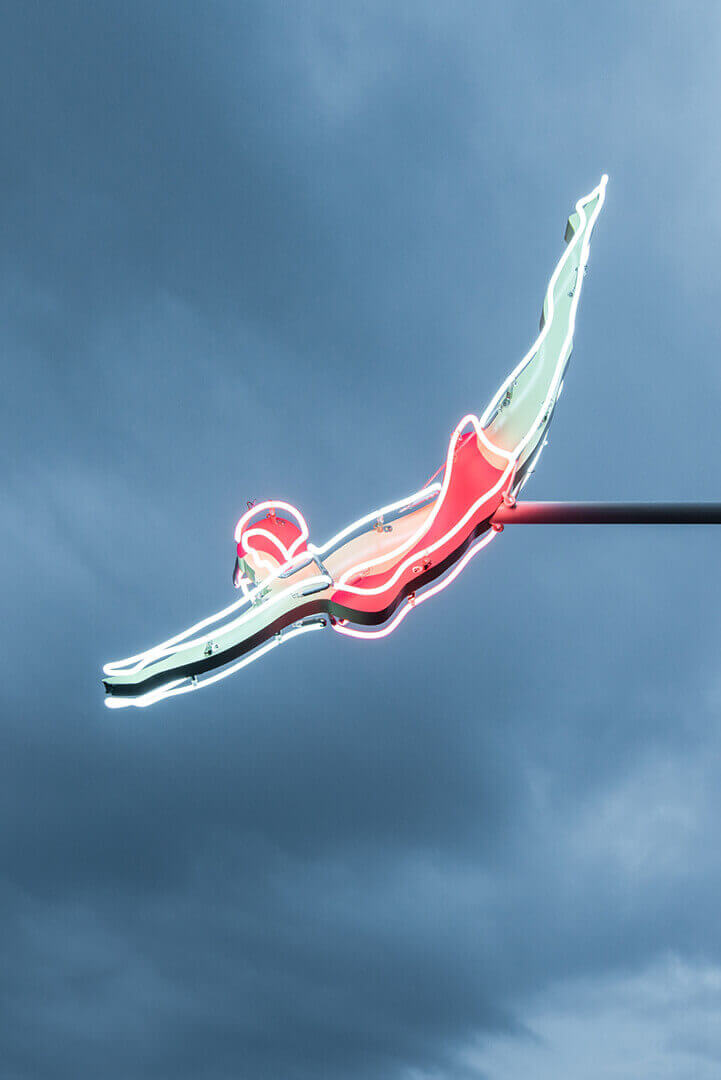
(277, 250)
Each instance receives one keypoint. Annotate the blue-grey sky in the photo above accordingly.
(278, 250)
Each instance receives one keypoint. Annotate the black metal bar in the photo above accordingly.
(598, 513)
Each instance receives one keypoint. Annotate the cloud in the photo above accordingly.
(662, 1021)
(266, 253)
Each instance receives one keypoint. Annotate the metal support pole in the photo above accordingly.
(599, 513)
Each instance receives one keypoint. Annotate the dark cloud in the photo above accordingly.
(259, 250)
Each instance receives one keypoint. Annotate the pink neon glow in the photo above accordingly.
(376, 635)
(249, 550)
(245, 532)
(507, 474)
(456, 507)
(272, 505)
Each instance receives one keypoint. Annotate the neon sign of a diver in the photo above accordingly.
(367, 578)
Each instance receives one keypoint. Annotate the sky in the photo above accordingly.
(268, 250)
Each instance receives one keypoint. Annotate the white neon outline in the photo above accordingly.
(374, 635)
(425, 492)
(598, 192)
(361, 590)
(172, 646)
(167, 648)
(242, 534)
(255, 556)
(245, 584)
(272, 504)
(178, 644)
(172, 689)
(511, 456)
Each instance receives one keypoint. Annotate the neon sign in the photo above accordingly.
(365, 580)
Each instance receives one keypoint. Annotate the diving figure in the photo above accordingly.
(369, 576)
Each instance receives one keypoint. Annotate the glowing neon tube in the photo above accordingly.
(376, 570)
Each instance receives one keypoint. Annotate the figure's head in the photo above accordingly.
(268, 537)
